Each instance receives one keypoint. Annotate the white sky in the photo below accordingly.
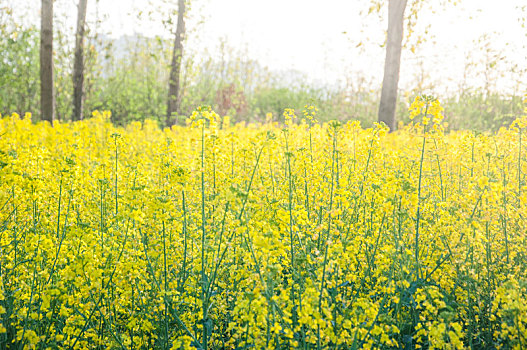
(308, 35)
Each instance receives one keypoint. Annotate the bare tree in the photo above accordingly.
(47, 91)
(174, 98)
(392, 63)
(78, 64)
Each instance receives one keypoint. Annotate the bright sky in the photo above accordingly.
(319, 38)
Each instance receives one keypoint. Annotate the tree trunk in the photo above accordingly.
(47, 91)
(392, 63)
(174, 98)
(78, 64)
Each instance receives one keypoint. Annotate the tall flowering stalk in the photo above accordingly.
(429, 110)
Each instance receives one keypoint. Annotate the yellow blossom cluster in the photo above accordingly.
(428, 108)
(221, 236)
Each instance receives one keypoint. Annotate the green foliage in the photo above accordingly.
(19, 70)
(133, 87)
(275, 99)
(476, 111)
(131, 81)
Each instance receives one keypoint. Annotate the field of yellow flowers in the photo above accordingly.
(291, 235)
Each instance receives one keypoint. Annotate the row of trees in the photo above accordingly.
(150, 78)
(47, 92)
(47, 86)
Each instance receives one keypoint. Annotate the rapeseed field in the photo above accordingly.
(274, 236)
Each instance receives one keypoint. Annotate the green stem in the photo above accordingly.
(418, 215)
(115, 181)
(519, 167)
(291, 241)
(322, 284)
(203, 242)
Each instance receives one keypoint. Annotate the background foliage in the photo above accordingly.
(129, 77)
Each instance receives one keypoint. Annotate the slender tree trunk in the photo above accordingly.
(47, 91)
(174, 98)
(78, 64)
(392, 63)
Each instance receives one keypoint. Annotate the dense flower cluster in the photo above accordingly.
(307, 236)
